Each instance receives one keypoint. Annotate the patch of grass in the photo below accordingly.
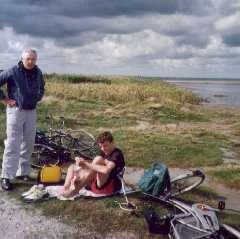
(142, 149)
(2, 108)
(108, 121)
(228, 177)
(223, 115)
(168, 115)
(207, 134)
(82, 114)
(215, 139)
(84, 105)
(230, 218)
(236, 130)
(201, 194)
(2, 130)
(220, 113)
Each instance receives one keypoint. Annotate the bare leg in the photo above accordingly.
(101, 178)
(84, 177)
(69, 177)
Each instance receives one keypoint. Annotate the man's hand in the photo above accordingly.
(80, 161)
(9, 102)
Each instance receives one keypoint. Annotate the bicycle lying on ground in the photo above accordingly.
(59, 146)
(178, 185)
(186, 221)
(190, 222)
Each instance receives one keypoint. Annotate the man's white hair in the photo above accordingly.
(29, 51)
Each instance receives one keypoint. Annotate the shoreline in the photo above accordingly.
(221, 106)
(214, 93)
(205, 81)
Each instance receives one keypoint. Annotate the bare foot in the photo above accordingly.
(68, 193)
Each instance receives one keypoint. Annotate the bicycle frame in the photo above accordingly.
(198, 219)
(59, 147)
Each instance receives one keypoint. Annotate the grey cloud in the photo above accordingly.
(193, 39)
(106, 8)
(110, 8)
(31, 16)
(197, 34)
(80, 40)
(226, 7)
(191, 7)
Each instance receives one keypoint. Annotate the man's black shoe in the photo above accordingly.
(6, 184)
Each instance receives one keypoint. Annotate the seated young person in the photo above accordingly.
(100, 174)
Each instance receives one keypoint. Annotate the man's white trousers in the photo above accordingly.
(21, 131)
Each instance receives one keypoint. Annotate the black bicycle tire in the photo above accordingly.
(91, 139)
(186, 188)
(40, 162)
(85, 145)
(83, 142)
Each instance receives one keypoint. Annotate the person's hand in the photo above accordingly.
(80, 161)
(9, 102)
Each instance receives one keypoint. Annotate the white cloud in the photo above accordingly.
(12, 45)
(229, 24)
(137, 44)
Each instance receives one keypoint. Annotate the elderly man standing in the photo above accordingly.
(25, 87)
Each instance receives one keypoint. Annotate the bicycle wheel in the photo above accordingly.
(86, 152)
(86, 140)
(186, 182)
(84, 145)
(81, 139)
(43, 155)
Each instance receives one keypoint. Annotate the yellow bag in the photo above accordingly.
(50, 174)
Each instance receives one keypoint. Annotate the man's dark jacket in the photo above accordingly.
(24, 86)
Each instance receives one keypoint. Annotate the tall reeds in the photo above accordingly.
(127, 91)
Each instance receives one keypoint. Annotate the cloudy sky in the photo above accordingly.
(174, 38)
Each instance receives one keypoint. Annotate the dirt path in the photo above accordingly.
(232, 195)
(18, 222)
(21, 221)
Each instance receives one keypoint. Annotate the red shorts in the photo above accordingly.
(110, 187)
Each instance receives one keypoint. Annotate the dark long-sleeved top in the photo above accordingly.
(24, 86)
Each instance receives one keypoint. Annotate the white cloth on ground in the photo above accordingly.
(54, 192)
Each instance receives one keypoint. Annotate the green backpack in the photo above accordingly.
(155, 180)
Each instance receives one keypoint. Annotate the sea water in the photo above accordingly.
(215, 92)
